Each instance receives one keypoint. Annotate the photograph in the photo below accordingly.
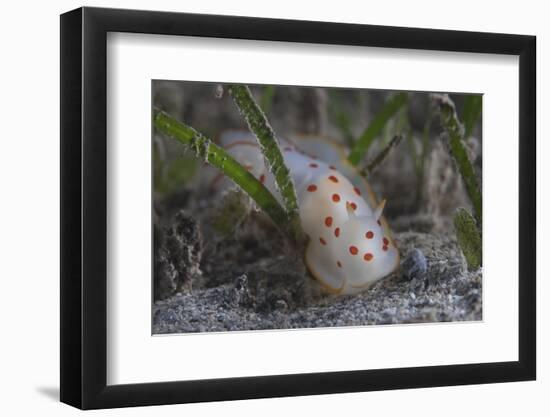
(295, 207)
(346, 208)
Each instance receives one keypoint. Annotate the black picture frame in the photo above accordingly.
(84, 207)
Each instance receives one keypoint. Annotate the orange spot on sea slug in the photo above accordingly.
(336, 198)
(328, 221)
(311, 188)
(353, 250)
(369, 234)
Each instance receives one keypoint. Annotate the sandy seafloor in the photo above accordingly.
(245, 287)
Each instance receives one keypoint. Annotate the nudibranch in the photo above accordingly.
(350, 245)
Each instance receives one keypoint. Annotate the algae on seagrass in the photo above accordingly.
(468, 236)
(457, 150)
(468, 228)
(260, 127)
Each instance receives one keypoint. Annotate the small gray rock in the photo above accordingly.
(415, 265)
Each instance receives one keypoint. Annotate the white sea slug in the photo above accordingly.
(349, 245)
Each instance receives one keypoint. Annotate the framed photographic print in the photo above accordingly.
(258, 208)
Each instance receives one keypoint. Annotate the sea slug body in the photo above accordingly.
(349, 246)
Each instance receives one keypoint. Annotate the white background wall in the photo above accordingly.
(29, 236)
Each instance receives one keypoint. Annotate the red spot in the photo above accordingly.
(369, 234)
(328, 221)
(368, 256)
(335, 198)
(333, 178)
(339, 264)
(378, 221)
(323, 241)
(353, 250)
(262, 178)
(311, 188)
(385, 247)
(386, 241)
(352, 205)
(357, 191)
(337, 232)
(313, 165)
